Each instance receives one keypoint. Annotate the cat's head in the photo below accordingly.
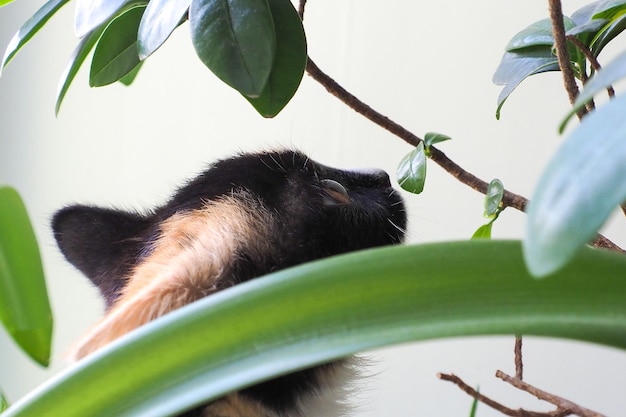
(248, 215)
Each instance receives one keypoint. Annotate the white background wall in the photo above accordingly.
(427, 65)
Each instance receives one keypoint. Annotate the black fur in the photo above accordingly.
(313, 222)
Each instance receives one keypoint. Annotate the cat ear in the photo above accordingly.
(102, 243)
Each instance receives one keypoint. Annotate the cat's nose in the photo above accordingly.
(378, 176)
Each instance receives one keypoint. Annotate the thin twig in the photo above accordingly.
(519, 363)
(560, 402)
(496, 405)
(560, 44)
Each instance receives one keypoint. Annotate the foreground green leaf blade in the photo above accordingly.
(76, 60)
(411, 172)
(290, 61)
(328, 309)
(157, 24)
(24, 307)
(236, 40)
(582, 185)
(116, 53)
(30, 28)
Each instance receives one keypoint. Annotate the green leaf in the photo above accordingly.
(157, 24)
(483, 232)
(411, 172)
(290, 61)
(493, 197)
(332, 308)
(582, 184)
(5, 2)
(236, 40)
(129, 78)
(4, 404)
(537, 34)
(116, 53)
(515, 67)
(607, 76)
(474, 405)
(76, 60)
(30, 28)
(432, 138)
(610, 9)
(607, 34)
(24, 307)
(91, 14)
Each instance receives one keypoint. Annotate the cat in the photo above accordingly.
(243, 217)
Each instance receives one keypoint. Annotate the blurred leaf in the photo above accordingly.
(129, 78)
(324, 310)
(116, 53)
(5, 2)
(474, 405)
(24, 307)
(28, 29)
(607, 76)
(607, 34)
(432, 138)
(157, 24)
(411, 172)
(610, 9)
(515, 67)
(290, 61)
(493, 197)
(537, 34)
(91, 14)
(582, 184)
(4, 404)
(76, 60)
(483, 232)
(236, 40)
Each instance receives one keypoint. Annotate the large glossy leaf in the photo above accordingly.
(76, 60)
(328, 309)
(289, 63)
(515, 67)
(157, 24)
(236, 40)
(582, 185)
(607, 76)
(91, 14)
(30, 28)
(537, 34)
(24, 307)
(116, 53)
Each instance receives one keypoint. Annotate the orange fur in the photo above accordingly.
(188, 260)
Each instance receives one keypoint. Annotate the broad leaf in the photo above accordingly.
(91, 14)
(290, 61)
(493, 197)
(328, 309)
(582, 185)
(76, 60)
(236, 40)
(129, 78)
(483, 232)
(537, 34)
(157, 24)
(607, 76)
(515, 67)
(30, 28)
(24, 307)
(432, 138)
(116, 53)
(411, 172)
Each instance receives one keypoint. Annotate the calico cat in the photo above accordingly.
(241, 218)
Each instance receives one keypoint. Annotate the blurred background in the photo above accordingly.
(426, 65)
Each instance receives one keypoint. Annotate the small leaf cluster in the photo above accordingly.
(411, 171)
(258, 47)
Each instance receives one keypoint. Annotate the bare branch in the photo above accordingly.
(519, 364)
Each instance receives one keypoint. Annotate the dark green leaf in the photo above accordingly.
(328, 309)
(607, 76)
(515, 67)
(290, 61)
(158, 22)
(432, 138)
(129, 78)
(609, 9)
(28, 29)
(537, 34)
(493, 197)
(236, 40)
(116, 53)
(24, 307)
(411, 171)
(607, 34)
(91, 14)
(474, 405)
(483, 232)
(74, 63)
(581, 186)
